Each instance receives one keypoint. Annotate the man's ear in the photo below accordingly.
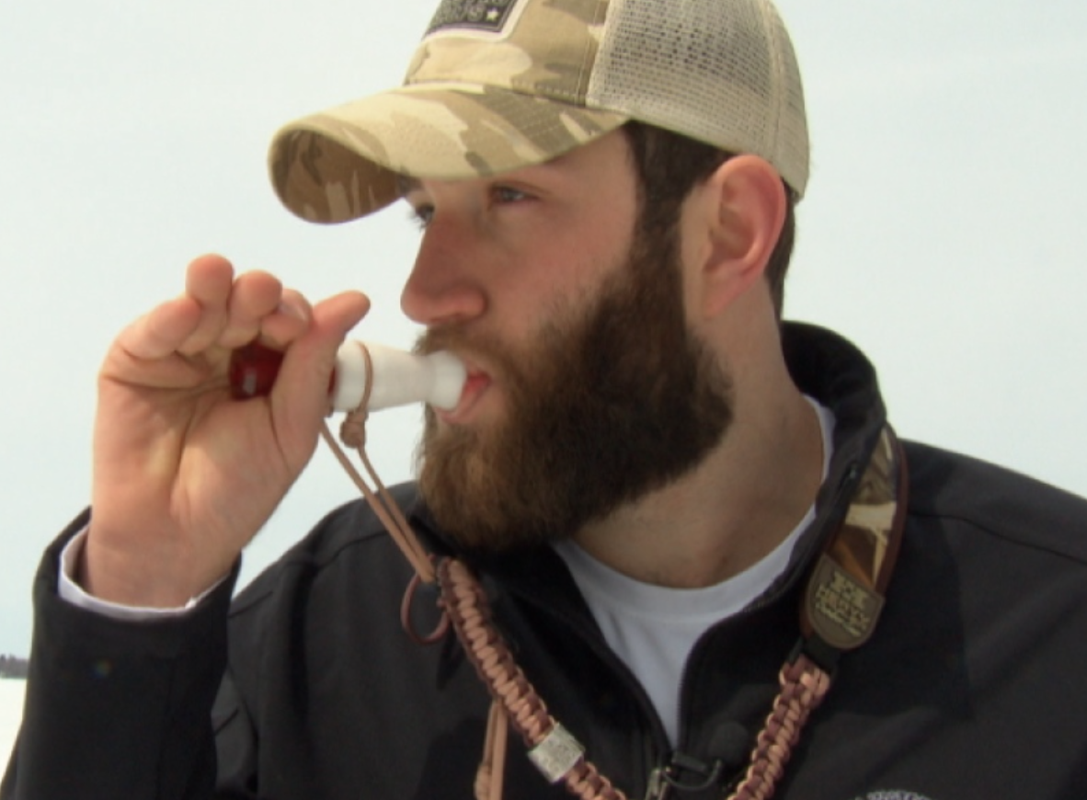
(743, 207)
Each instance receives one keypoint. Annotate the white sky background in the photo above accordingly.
(942, 230)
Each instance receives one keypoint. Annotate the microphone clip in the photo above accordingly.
(683, 773)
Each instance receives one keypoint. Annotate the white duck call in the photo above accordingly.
(398, 377)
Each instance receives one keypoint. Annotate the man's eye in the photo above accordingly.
(421, 215)
(508, 194)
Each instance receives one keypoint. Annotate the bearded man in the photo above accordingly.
(677, 549)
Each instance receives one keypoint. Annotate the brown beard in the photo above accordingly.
(613, 400)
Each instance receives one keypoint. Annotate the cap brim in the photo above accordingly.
(343, 163)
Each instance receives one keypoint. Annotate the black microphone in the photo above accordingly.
(728, 751)
(731, 745)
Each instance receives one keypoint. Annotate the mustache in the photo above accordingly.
(432, 340)
(471, 345)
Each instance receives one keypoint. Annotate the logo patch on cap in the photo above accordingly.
(483, 15)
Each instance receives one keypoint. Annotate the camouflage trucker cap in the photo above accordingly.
(497, 85)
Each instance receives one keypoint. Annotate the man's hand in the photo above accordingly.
(184, 476)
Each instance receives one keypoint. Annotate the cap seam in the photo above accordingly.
(585, 72)
(778, 79)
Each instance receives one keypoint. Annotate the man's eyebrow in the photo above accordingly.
(406, 183)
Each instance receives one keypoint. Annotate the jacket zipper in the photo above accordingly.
(655, 742)
(845, 485)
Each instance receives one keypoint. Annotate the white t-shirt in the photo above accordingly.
(654, 628)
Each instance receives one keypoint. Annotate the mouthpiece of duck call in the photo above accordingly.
(398, 377)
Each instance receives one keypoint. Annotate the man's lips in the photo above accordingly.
(475, 385)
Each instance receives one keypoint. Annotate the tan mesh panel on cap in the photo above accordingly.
(721, 71)
(501, 84)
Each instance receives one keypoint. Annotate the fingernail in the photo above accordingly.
(293, 307)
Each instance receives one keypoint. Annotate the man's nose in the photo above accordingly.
(443, 287)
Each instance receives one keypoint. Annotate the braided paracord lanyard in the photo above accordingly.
(872, 527)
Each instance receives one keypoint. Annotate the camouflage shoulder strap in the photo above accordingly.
(845, 592)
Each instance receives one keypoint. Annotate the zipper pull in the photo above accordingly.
(658, 787)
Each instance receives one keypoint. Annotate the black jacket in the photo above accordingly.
(974, 686)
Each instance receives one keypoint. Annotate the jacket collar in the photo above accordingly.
(832, 370)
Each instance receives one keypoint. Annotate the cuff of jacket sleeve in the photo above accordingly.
(164, 635)
(73, 593)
